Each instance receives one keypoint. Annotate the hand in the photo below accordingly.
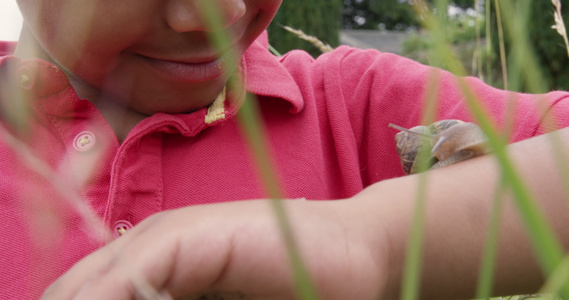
(233, 249)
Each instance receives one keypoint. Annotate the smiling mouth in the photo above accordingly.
(186, 71)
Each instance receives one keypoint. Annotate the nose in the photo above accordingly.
(188, 15)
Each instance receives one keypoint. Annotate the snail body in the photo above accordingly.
(448, 141)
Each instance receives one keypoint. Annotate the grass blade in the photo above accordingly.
(547, 247)
(486, 276)
(252, 126)
(412, 269)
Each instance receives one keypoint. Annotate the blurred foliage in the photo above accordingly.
(384, 14)
(461, 33)
(549, 46)
(319, 18)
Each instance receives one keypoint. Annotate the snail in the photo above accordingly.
(449, 142)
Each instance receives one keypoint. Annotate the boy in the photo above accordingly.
(129, 115)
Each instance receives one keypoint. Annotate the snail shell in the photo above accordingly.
(408, 145)
(448, 141)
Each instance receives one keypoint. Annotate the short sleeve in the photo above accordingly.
(375, 89)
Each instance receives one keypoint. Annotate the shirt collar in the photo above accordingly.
(7, 48)
(264, 75)
(40, 78)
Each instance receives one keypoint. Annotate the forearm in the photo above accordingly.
(458, 208)
(353, 249)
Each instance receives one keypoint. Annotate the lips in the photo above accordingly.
(194, 70)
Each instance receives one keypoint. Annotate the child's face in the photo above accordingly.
(152, 55)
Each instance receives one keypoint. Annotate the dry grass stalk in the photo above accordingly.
(312, 39)
(145, 291)
(559, 25)
(502, 45)
(477, 56)
(29, 159)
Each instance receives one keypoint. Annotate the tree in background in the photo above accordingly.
(399, 15)
(384, 14)
(374, 14)
(319, 18)
(549, 45)
(324, 19)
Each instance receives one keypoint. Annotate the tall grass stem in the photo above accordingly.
(547, 247)
(502, 45)
(411, 284)
(252, 126)
(487, 269)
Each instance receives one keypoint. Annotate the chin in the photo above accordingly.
(168, 107)
(173, 99)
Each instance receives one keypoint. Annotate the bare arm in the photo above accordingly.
(354, 248)
(458, 209)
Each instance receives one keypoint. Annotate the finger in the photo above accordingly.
(94, 265)
(120, 285)
(148, 259)
(135, 272)
(89, 267)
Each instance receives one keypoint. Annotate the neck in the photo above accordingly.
(121, 119)
(28, 47)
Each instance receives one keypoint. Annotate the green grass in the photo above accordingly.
(546, 246)
(252, 126)
(513, 18)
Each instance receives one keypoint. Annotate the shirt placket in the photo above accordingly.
(136, 188)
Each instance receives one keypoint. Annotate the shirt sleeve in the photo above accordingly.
(375, 89)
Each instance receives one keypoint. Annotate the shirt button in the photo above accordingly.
(27, 80)
(121, 227)
(84, 141)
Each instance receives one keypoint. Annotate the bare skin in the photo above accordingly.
(354, 249)
(160, 60)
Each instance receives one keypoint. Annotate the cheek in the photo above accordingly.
(264, 11)
(85, 36)
(269, 6)
(59, 22)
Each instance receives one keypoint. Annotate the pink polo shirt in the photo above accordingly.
(328, 137)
